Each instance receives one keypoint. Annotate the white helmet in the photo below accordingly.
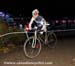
(34, 11)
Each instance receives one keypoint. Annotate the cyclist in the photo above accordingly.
(39, 20)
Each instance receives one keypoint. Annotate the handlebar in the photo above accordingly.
(36, 28)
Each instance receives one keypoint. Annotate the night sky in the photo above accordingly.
(47, 8)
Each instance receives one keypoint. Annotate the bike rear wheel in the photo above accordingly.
(52, 40)
(29, 51)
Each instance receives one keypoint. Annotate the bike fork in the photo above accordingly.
(34, 40)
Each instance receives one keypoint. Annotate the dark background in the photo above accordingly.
(47, 8)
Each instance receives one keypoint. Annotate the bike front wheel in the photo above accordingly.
(29, 51)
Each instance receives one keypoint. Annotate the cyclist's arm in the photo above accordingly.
(30, 24)
(44, 21)
(44, 24)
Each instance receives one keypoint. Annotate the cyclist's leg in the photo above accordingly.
(39, 28)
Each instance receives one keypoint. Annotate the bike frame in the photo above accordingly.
(45, 38)
(37, 36)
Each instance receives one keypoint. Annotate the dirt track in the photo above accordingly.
(62, 55)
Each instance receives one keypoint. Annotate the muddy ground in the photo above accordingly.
(62, 55)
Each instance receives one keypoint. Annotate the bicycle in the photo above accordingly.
(33, 44)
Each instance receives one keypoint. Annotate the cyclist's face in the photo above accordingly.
(35, 15)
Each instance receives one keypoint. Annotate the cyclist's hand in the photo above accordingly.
(30, 28)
